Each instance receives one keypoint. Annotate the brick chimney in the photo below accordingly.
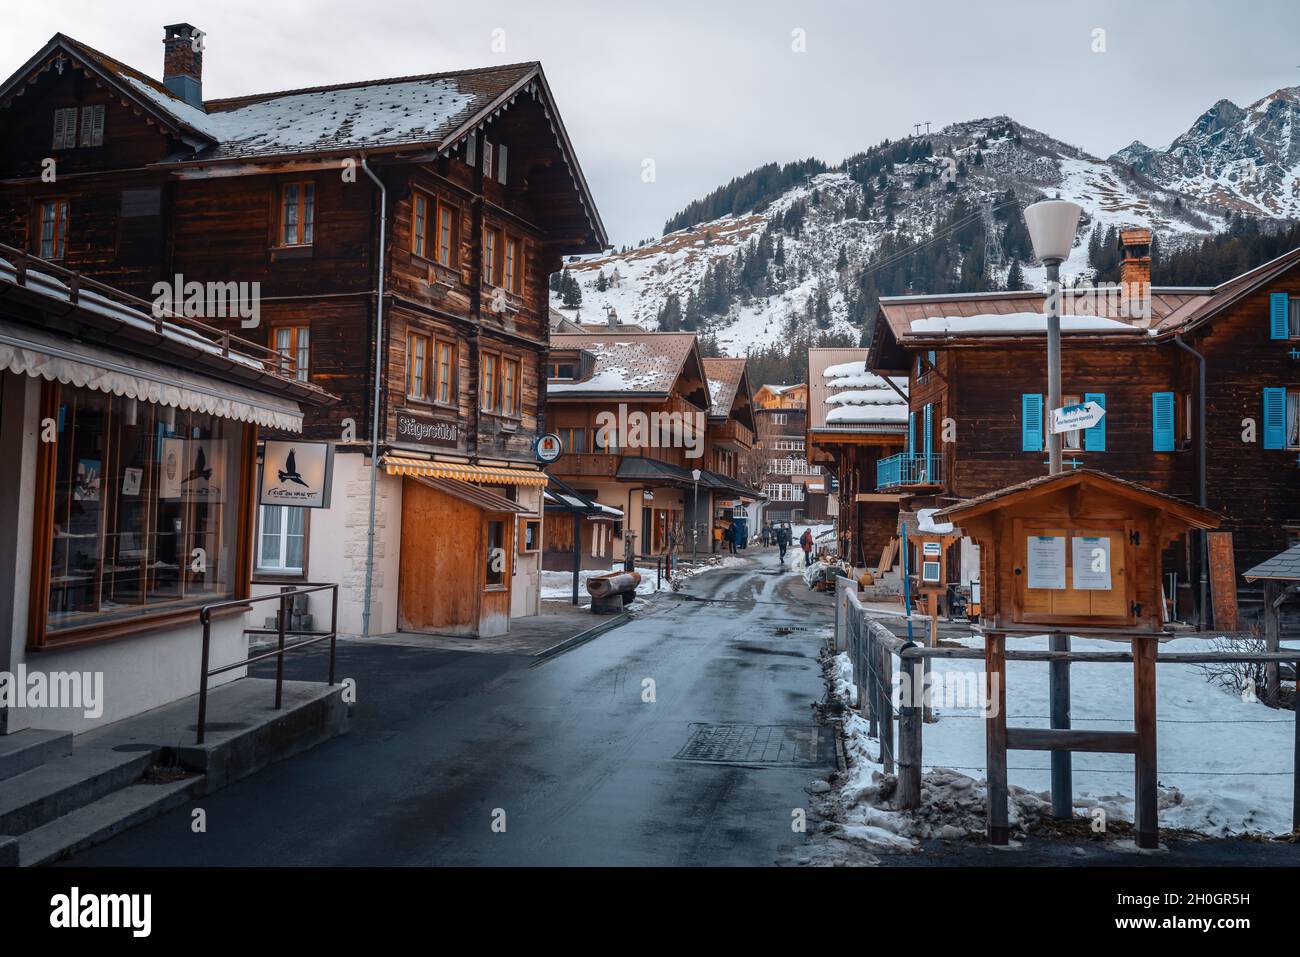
(1135, 272)
(183, 62)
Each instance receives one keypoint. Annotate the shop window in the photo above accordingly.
(530, 536)
(143, 502)
(497, 560)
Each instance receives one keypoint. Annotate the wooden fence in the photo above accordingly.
(872, 651)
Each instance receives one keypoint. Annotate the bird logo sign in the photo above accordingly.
(201, 470)
(295, 473)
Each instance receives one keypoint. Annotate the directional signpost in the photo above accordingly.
(1083, 415)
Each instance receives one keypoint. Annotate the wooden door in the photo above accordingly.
(440, 570)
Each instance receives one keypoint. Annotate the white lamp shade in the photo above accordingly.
(1052, 224)
(695, 474)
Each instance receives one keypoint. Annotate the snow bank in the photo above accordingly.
(1016, 323)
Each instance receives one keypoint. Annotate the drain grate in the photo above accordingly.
(774, 745)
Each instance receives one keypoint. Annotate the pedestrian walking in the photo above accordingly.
(806, 543)
(782, 540)
(729, 536)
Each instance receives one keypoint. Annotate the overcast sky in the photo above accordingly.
(708, 89)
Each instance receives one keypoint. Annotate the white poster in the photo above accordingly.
(296, 473)
(172, 461)
(1091, 562)
(1046, 560)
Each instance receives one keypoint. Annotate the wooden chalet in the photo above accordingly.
(659, 380)
(796, 490)
(977, 382)
(856, 418)
(730, 444)
(412, 220)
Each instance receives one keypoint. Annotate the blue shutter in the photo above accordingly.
(1094, 439)
(1278, 304)
(1275, 418)
(1031, 422)
(911, 432)
(1162, 421)
(928, 435)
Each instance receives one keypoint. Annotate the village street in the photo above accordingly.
(586, 771)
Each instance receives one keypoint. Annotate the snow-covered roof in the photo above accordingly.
(1018, 324)
(634, 363)
(725, 376)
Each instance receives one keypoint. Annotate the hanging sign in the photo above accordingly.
(1046, 559)
(1082, 415)
(548, 448)
(296, 473)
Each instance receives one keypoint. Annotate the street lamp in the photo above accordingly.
(1052, 225)
(695, 515)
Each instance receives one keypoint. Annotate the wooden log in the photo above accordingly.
(910, 725)
(995, 738)
(1076, 739)
(1144, 761)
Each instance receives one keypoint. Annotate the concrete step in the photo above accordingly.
(42, 794)
(99, 820)
(24, 750)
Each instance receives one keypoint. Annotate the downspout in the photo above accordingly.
(374, 412)
(1201, 481)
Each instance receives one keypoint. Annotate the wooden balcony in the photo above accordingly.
(731, 434)
(586, 465)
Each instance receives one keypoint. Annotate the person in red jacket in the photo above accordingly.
(806, 543)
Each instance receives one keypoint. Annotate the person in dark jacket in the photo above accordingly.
(729, 536)
(806, 543)
(782, 540)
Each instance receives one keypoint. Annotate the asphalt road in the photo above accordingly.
(584, 769)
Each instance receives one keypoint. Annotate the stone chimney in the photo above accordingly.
(183, 62)
(1135, 272)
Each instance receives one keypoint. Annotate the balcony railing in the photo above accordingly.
(909, 469)
(734, 434)
(587, 464)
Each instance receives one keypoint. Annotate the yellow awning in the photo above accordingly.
(398, 465)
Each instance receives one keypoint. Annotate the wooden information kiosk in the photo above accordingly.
(1074, 554)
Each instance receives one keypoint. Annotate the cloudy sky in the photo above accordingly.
(708, 89)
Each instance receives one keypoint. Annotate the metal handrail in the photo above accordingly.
(205, 617)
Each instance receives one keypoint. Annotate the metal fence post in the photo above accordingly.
(203, 676)
(334, 628)
(279, 660)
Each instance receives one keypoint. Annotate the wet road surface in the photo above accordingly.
(585, 769)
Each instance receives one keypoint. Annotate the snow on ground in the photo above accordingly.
(558, 585)
(1225, 765)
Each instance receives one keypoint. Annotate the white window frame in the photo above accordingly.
(282, 535)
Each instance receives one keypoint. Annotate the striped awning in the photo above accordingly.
(401, 465)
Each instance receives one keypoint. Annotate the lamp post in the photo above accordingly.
(695, 518)
(1052, 225)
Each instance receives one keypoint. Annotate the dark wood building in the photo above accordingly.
(416, 219)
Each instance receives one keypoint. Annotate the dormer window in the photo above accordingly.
(566, 370)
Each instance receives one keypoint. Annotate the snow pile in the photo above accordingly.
(1016, 323)
(925, 522)
(862, 398)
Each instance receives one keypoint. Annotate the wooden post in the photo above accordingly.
(1144, 759)
(1062, 761)
(886, 696)
(1272, 638)
(910, 725)
(995, 737)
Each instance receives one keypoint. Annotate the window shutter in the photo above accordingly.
(1094, 439)
(92, 125)
(1278, 303)
(927, 437)
(911, 432)
(471, 150)
(65, 128)
(501, 163)
(1031, 422)
(1162, 421)
(1275, 418)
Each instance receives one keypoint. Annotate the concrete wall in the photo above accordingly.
(137, 673)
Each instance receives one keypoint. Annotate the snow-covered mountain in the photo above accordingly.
(849, 220)
(1236, 159)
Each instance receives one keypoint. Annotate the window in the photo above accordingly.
(512, 275)
(492, 258)
(778, 418)
(52, 232)
(65, 129)
(434, 229)
(280, 544)
(1281, 424)
(430, 369)
(488, 390)
(563, 370)
(530, 535)
(417, 358)
(1293, 419)
(787, 445)
(1283, 316)
(605, 440)
(1293, 318)
(496, 555)
(92, 126)
(574, 439)
(510, 387)
(1071, 441)
(135, 491)
(294, 343)
(297, 214)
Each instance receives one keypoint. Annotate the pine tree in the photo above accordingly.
(570, 292)
(670, 316)
(601, 282)
(842, 263)
(1015, 277)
